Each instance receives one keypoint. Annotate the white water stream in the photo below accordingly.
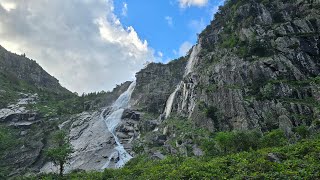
(189, 68)
(113, 120)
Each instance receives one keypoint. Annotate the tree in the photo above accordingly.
(246, 140)
(274, 138)
(225, 141)
(59, 154)
(302, 131)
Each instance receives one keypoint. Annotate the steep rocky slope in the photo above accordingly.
(33, 105)
(256, 66)
(155, 83)
(259, 67)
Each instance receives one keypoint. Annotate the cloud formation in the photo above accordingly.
(188, 3)
(81, 42)
(124, 9)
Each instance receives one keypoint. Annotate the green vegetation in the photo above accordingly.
(238, 141)
(274, 138)
(50, 105)
(302, 131)
(8, 141)
(9, 86)
(61, 150)
(184, 130)
(295, 161)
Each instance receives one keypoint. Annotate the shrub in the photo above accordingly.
(225, 141)
(302, 131)
(246, 140)
(274, 138)
(210, 147)
(230, 41)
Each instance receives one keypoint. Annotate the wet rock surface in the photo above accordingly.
(92, 142)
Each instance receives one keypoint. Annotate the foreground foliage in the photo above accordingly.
(296, 161)
(60, 153)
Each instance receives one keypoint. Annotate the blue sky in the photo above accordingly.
(165, 24)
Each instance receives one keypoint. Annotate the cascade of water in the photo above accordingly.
(113, 120)
(169, 102)
(189, 68)
(192, 59)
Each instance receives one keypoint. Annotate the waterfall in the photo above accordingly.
(189, 68)
(169, 103)
(192, 59)
(113, 120)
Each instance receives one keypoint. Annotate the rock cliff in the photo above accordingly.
(257, 68)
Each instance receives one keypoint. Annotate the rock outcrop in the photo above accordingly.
(93, 143)
(155, 83)
(264, 76)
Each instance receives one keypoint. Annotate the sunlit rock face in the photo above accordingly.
(101, 139)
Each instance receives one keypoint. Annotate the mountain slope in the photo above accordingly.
(20, 74)
(251, 82)
(29, 71)
(255, 67)
(33, 105)
(258, 67)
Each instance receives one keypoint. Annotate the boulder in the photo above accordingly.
(130, 114)
(158, 155)
(149, 125)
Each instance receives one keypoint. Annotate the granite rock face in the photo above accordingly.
(267, 79)
(258, 68)
(155, 83)
(93, 143)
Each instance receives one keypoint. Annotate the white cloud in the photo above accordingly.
(7, 5)
(188, 3)
(80, 42)
(169, 20)
(124, 9)
(184, 48)
(160, 54)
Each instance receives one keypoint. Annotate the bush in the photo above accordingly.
(209, 146)
(7, 139)
(274, 138)
(246, 140)
(230, 41)
(302, 131)
(238, 141)
(225, 141)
